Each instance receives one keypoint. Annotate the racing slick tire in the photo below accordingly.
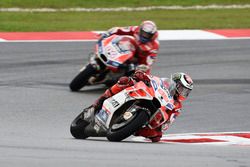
(78, 126)
(82, 78)
(119, 131)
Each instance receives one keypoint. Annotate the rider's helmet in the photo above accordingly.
(147, 31)
(180, 86)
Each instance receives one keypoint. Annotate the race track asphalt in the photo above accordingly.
(36, 106)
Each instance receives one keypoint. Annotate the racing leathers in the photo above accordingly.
(146, 53)
(154, 134)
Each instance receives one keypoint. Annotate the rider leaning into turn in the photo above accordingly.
(179, 86)
(146, 36)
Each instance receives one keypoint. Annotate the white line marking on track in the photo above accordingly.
(187, 35)
(118, 9)
(92, 40)
(27, 41)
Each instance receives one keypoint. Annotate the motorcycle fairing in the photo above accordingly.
(161, 93)
(138, 91)
(116, 50)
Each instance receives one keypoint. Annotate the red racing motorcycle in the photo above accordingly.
(123, 114)
(113, 58)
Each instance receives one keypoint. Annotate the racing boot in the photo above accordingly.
(90, 111)
(99, 102)
(88, 114)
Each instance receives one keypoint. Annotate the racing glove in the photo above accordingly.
(141, 76)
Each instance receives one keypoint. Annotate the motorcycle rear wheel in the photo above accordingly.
(78, 126)
(120, 131)
(82, 78)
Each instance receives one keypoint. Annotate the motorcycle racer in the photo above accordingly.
(179, 85)
(146, 36)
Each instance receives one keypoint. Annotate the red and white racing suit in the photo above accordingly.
(124, 82)
(146, 53)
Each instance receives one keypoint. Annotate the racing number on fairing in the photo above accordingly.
(154, 84)
(115, 103)
(112, 52)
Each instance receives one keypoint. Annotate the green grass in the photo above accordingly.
(85, 21)
(110, 3)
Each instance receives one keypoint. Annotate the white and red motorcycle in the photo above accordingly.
(126, 112)
(113, 58)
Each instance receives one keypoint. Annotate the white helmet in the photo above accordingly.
(181, 85)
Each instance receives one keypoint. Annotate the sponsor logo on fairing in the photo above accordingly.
(103, 115)
(113, 63)
(115, 103)
(155, 86)
(170, 106)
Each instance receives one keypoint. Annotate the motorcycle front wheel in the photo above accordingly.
(82, 78)
(123, 129)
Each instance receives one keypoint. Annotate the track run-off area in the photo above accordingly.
(37, 107)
